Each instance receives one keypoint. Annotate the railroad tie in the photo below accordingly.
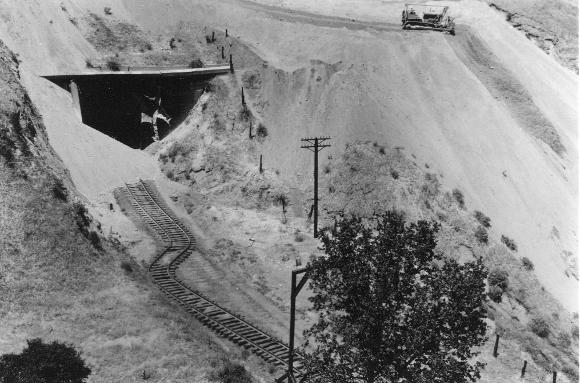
(181, 244)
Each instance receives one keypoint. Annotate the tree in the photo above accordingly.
(44, 363)
(391, 309)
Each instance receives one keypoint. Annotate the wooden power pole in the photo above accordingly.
(296, 286)
(315, 145)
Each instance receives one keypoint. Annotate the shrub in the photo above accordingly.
(571, 372)
(430, 188)
(7, 151)
(262, 131)
(510, 243)
(113, 65)
(169, 174)
(539, 326)
(95, 240)
(245, 113)
(481, 235)
(82, 216)
(528, 265)
(59, 191)
(44, 362)
(484, 220)
(394, 174)
(495, 293)
(563, 340)
(178, 148)
(280, 199)
(126, 266)
(458, 195)
(575, 331)
(217, 125)
(298, 236)
(231, 372)
(499, 278)
(197, 63)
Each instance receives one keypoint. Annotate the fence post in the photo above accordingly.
(554, 376)
(524, 368)
(231, 64)
(496, 345)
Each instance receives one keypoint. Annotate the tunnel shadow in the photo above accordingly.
(124, 107)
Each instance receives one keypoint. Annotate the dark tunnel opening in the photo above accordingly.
(123, 106)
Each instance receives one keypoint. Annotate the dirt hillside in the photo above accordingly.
(485, 113)
(46, 37)
(474, 107)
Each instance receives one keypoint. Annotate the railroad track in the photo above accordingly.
(180, 244)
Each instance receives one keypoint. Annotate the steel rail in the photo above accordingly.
(238, 329)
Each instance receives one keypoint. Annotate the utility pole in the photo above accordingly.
(315, 145)
(295, 289)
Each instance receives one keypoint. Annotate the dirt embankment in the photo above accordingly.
(552, 25)
(505, 138)
(59, 279)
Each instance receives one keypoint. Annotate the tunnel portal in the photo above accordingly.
(126, 105)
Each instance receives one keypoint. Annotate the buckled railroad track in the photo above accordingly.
(180, 244)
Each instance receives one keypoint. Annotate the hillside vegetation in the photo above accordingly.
(438, 127)
(61, 279)
(553, 25)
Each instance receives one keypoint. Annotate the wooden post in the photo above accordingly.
(213, 36)
(293, 294)
(251, 134)
(554, 376)
(243, 98)
(524, 368)
(295, 289)
(223, 54)
(316, 187)
(496, 345)
(75, 93)
(261, 170)
(231, 64)
(226, 32)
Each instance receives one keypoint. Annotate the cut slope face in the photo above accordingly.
(417, 90)
(414, 90)
(46, 37)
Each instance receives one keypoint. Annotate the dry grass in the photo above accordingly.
(552, 24)
(363, 184)
(54, 283)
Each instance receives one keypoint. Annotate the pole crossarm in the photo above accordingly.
(316, 143)
(302, 281)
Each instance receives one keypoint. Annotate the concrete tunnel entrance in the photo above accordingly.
(131, 106)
